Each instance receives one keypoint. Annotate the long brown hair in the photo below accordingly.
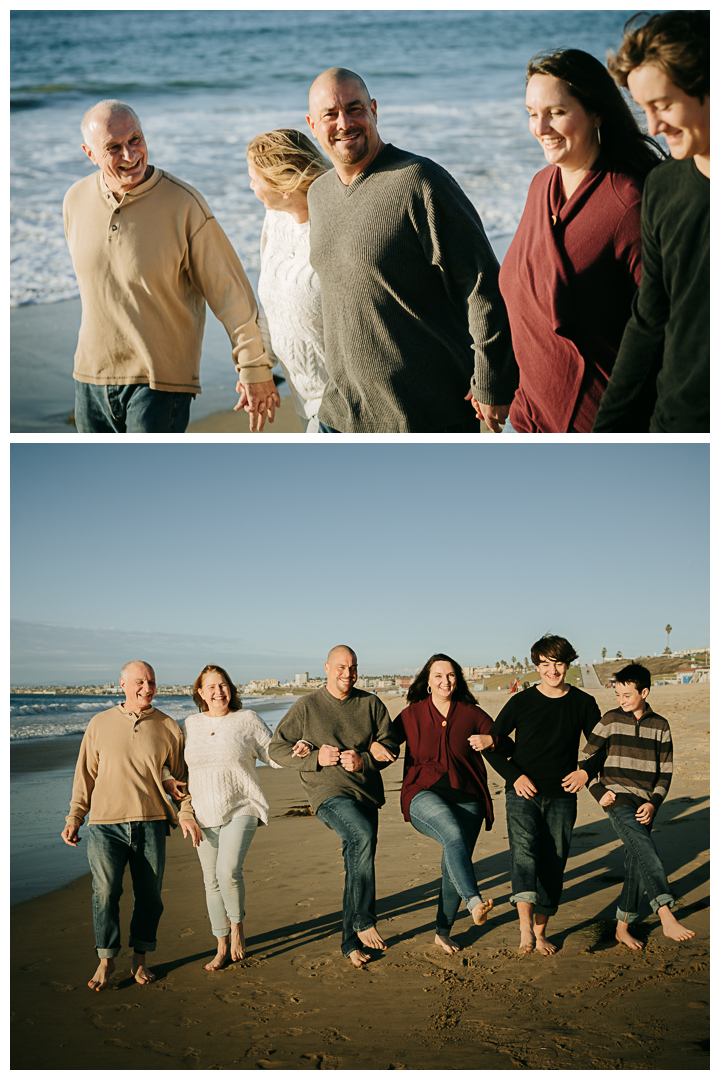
(419, 687)
(235, 701)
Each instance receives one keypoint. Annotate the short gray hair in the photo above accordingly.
(124, 668)
(112, 107)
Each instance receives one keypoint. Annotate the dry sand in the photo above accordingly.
(286, 421)
(295, 1003)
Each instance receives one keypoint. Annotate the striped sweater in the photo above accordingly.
(638, 757)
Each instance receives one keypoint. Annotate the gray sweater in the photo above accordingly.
(409, 288)
(351, 724)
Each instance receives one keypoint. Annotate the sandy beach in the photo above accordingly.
(295, 1003)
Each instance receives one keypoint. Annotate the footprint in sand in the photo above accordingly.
(187, 932)
(58, 988)
(35, 965)
(321, 1061)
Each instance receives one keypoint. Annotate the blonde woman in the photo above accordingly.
(282, 165)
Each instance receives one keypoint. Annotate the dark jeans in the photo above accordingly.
(643, 870)
(539, 833)
(324, 429)
(129, 409)
(356, 824)
(456, 826)
(110, 849)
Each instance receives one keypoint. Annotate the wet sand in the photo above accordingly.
(295, 1003)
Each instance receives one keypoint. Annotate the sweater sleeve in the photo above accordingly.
(502, 727)
(289, 730)
(455, 242)
(175, 762)
(263, 737)
(592, 759)
(216, 272)
(385, 734)
(665, 763)
(86, 771)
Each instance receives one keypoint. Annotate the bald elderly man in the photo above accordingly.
(148, 255)
(118, 783)
(416, 333)
(326, 736)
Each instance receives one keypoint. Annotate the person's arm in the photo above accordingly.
(385, 737)
(503, 726)
(592, 759)
(662, 784)
(287, 734)
(263, 737)
(456, 243)
(86, 771)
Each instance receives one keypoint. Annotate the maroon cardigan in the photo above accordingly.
(568, 287)
(434, 748)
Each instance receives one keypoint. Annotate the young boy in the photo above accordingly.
(634, 747)
(542, 779)
(665, 63)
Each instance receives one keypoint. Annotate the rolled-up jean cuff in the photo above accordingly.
(362, 929)
(142, 946)
(107, 954)
(661, 901)
(524, 898)
(626, 916)
(473, 902)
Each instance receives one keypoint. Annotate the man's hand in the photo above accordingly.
(381, 753)
(173, 788)
(351, 761)
(190, 827)
(645, 813)
(259, 399)
(301, 748)
(525, 787)
(608, 798)
(493, 415)
(481, 742)
(70, 835)
(574, 781)
(328, 755)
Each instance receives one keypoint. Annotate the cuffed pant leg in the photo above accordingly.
(558, 819)
(523, 824)
(356, 824)
(147, 866)
(644, 872)
(108, 853)
(432, 816)
(234, 840)
(208, 856)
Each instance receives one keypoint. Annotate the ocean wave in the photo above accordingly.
(47, 731)
(39, 707)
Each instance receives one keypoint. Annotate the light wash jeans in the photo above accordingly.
(136, 409)
(456, 826)
(110, 849)
(643, 870)
(221, 855)
(539, 835)
(356, 824)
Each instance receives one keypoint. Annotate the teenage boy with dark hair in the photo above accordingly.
(542, 779)
(634, 746)
(665, 63)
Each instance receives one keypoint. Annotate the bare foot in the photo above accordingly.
(237, 941)
(101, 978)
(358, 958)
(481, 911)
(542, 945)
(671, 927)
(447, 944)
(139, 972)
(527, 943)
(220, 961)
(371, 938)
(623, 935)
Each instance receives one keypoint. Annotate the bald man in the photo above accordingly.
(326, 736)
(118, 783)
(416, 333)
(148, 255)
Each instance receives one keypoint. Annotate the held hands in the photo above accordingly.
(173, 786)
(608, 799)
(351, 761)
(645, 813)
(574, 781)
(70, 835)
(301, 748)
(328, 755)
(480, 742)
(259, 399)
(493, 415)
(381, 753)
(192, 829)
(525, 787)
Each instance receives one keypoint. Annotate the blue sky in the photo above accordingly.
(260, 557)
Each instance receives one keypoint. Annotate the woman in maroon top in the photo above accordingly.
(444, 792)
(574, 265)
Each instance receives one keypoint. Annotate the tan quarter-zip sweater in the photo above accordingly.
(118, 776)
(145, 267)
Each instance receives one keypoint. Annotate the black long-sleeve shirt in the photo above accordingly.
(547, 733)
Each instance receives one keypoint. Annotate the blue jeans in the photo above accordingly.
(325, 430)
(221, 855)
(539, 833)
(643, 870)
(129, 409)
(356, 824)
(110, 848)
(456, 826)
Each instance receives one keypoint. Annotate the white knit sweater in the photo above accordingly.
(291, 309)
(222, 779)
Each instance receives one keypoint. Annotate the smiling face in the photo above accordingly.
(630, 699)
(270, 197)
(684, 121)
(117, 146)
(552, 674)
(342, 672)
(215, 693)
(138, 682)
(344, 122)
(566, 132)
(442, 680)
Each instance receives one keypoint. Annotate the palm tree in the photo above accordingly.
(527, 665)
(604, 652)
(513, 660)
(668, 631)
(618, 655)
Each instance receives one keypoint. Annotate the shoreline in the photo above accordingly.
(295, 1003)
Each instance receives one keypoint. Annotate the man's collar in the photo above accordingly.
(140, 715)
(140, 189)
